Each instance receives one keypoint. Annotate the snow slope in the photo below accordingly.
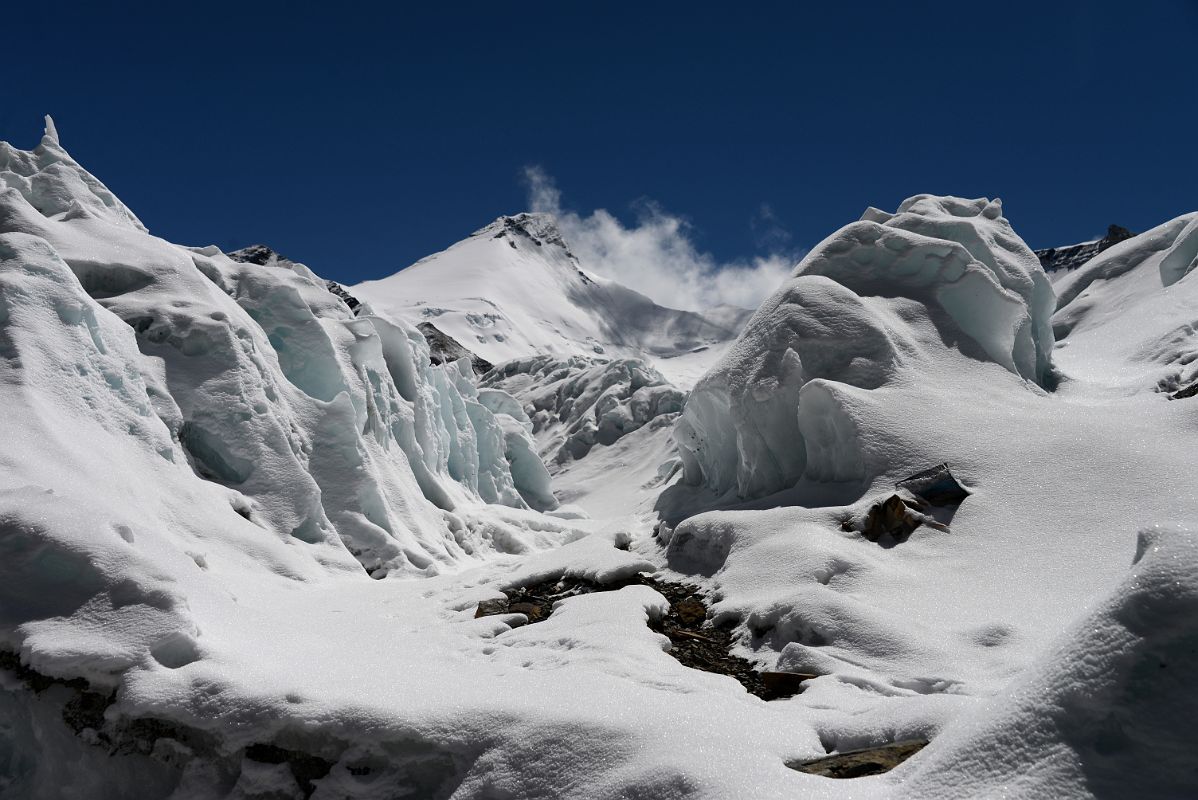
(514, 289)
(1126, 319)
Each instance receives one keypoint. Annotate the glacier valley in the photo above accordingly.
(260, 534)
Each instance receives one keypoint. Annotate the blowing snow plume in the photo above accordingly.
(657, 256)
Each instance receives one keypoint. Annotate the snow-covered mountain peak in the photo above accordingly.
(515, 289)
(537, 229)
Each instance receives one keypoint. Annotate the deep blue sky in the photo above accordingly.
(359, 140)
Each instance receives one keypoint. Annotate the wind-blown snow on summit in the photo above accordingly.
(514, 289)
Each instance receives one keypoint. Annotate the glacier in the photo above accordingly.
(247, 526)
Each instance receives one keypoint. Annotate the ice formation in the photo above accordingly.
(573, 404)
(877, 298)
(313, 425)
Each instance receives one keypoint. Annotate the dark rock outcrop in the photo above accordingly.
(444, 349)
(1074, 255)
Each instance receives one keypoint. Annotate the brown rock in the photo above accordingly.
(784, 684)
(530, 610)
(859, 763)
(489, 608)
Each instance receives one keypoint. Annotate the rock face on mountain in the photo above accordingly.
(444, 349)
(514, 289)
(1070, 257)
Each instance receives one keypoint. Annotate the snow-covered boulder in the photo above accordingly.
(877, 296)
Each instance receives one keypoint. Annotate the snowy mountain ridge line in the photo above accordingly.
(514, 289)
(1070, 257)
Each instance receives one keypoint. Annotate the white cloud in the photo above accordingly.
(657, 257)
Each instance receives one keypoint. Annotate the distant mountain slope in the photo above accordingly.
(514, 289)
(1126, 319)
(1060, 260)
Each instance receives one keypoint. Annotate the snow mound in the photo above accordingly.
(876, 299)
(1112, 699)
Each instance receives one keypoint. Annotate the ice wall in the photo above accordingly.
(876, 297)
(322, 428)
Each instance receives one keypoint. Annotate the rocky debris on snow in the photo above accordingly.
(444, 349)
(694, 641)
(85, 712)
(1072, 256)
(859, 763)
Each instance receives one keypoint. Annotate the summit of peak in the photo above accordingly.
(537, 227)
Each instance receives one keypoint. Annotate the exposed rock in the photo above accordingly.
(444, 349)
(339, 290)
(937, 486)
(892, 516)
(785, 684)
(1189, 391)
(259, 254)
(1075, 255)
(859, 763)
